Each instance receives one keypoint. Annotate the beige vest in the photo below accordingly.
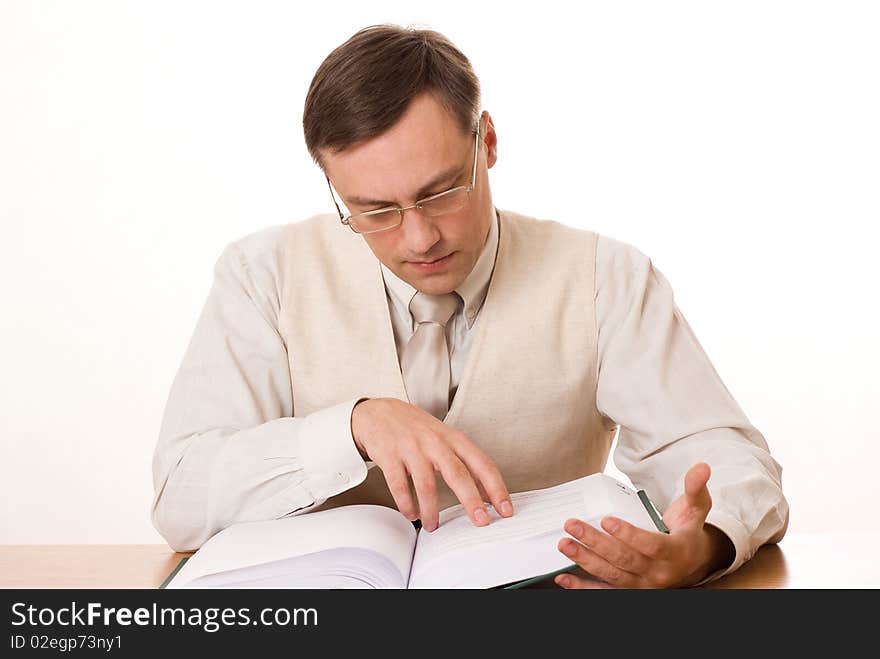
(527, 394)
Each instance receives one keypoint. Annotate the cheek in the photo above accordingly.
(478, 228)
(463, 230)
(384, 247)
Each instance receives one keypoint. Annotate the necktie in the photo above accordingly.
(425, 360)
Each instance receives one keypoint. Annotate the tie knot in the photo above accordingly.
(433, 308)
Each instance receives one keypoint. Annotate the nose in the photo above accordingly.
(419, 233)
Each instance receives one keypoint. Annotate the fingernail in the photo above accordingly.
(481, 516)
(568, 549)
(563, 581)
(611, 525)
(506, 508)
(577, 528)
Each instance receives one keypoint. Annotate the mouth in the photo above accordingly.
(432, 265)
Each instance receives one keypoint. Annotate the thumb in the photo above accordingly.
(695, 490)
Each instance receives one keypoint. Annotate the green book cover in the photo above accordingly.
(173, 572)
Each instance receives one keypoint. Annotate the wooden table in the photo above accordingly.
(801, 560)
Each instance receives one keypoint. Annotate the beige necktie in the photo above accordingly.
(425, 360)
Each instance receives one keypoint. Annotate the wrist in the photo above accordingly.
(354, 434)
(720, 551)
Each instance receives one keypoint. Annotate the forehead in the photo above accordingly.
(425, 142)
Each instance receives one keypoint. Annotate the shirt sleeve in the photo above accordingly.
(656, 382)
(230, 448)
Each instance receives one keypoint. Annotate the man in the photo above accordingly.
(425, 348)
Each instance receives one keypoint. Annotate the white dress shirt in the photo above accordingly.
(649, 365)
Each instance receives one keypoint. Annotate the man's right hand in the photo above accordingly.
(407, 442)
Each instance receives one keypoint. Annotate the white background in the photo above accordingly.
(737, 144)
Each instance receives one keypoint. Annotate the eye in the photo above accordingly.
(370, 209)
(441, 191)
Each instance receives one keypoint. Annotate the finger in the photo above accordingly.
(425, 484)
(611, 549)
(695, 487)
(505, 512)
(486, 473)
(482, 491)
(397, 480)
(651, 544)
(462, 484)
(573, 582)
(597, 566)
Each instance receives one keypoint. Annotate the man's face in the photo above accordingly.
(426, 152)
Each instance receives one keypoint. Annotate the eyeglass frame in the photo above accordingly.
(402, 209)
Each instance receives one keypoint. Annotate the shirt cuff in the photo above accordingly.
(739, 536)
(328, 454)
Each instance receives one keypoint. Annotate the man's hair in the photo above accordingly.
(365, 85)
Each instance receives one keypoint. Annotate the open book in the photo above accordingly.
(369, 546)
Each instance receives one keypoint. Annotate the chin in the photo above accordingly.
(439, 285)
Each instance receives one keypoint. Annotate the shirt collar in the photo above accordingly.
(472, 290)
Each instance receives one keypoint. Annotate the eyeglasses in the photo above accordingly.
(391, 217)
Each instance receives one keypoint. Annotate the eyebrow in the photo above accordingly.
(442, 177)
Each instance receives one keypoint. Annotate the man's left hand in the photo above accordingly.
(630, 557)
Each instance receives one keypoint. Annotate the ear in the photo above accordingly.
(490, 138)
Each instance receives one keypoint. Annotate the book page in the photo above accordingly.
(266, 550)
(461, 555)
(342, 567)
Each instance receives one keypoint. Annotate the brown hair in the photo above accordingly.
(365, 85)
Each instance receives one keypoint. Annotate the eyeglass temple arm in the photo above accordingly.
(476, 151)
(333, 197)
